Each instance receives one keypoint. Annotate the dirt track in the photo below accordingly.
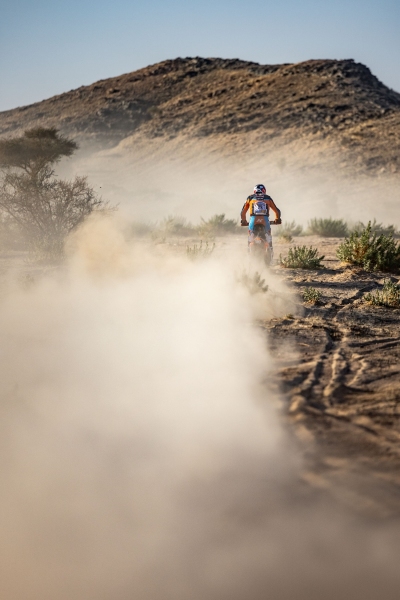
(340, 373)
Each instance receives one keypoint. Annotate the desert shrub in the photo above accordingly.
(302, 257)
(388, 296)
(377, 228)
(328, 227)
(311, 295)
(217, 225)
(254, 283)
(175, 225)
(43, 208)
(288, 230)
(199, 251)
(370, 251)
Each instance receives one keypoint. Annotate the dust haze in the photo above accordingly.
(152, 178)
(142, 446)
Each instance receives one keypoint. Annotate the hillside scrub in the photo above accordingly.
(302, 257)
(328, 227)
(370, 251)
(43, 208)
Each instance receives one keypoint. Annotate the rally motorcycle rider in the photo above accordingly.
(259, 205)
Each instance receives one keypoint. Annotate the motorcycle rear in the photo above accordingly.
(260, 244)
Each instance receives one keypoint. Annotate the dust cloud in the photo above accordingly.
(142, 448)
(152, 178)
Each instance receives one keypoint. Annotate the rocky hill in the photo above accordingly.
(339, 101)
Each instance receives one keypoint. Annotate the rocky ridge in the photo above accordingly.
(322, 101)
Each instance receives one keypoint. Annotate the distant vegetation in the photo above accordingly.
(217, 225)
(338, 228)
(389, 295)
(328, 227)
(288, 230)
(178, 226)
(370, 251)
(378, 228)
(34, 204)
(302, 257)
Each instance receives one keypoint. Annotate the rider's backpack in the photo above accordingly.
(260, 208)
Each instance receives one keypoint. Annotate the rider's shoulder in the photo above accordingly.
(266, 197)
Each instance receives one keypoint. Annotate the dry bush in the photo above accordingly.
(43, 208)
(198, 251)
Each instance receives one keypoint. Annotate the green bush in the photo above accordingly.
(288, 230)
(198, 251)
(370, 251)
(388, 296)
(328, 227)
(254, 283)
(311, 295)
(302, 257)
(217, 225)
(378, 228)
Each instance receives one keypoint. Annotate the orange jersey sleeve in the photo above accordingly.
(273, 207)
(245, 208)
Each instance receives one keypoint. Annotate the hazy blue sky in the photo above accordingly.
(51, 46)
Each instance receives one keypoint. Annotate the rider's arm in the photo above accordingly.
(244, 210)
(273, 207)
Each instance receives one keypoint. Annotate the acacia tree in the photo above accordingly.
(43, 207)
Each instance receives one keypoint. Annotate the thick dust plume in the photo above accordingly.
(143, 454)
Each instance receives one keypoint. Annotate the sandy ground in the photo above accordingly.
(337, 369)
(342, 384)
